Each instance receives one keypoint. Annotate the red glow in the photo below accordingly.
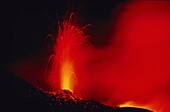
(135, 66)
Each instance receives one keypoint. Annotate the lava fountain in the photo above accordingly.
(68, 50)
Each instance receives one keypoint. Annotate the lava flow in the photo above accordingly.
(132, 104)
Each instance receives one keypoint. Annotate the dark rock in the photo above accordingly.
(65, 101)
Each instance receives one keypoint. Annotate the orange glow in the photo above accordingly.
(67, 73)
(133, 104)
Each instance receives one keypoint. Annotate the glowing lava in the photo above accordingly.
(68, 50)
(67, 72)
(135, 105)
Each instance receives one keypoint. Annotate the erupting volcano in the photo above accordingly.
(86, 56)
(70, 51)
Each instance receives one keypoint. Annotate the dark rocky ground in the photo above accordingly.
(65, 101)
(16, 95)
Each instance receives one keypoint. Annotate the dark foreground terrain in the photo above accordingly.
(17, 95)
(65, 101)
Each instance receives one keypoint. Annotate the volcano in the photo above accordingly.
(69, 53)
(66, 101)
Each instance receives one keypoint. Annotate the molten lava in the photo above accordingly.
(68, 50)
(135, 105)
(67, 72)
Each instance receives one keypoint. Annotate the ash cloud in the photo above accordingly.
(134, 64)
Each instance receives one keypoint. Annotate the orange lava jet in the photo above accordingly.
(68, 49)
